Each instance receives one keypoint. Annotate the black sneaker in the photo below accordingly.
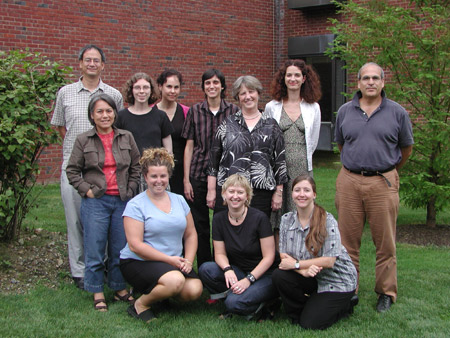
(353, 302)
(384, 303)
(79, 282)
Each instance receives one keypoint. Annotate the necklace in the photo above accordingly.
(251, 118)
(236, 219)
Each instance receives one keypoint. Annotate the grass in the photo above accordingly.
(422, 310)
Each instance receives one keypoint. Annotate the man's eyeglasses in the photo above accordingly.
(89, 60)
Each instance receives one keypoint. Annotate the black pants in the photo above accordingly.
(200, 213)
(262, 200)
(316, 311)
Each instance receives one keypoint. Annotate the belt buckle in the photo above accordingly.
(364, 172)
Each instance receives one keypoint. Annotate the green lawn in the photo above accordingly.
(422, 310)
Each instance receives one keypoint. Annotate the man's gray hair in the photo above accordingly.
(370, 64)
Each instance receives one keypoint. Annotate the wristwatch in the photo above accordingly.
(251, 278)
(297, 265)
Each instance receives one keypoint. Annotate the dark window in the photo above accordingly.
(332, 79)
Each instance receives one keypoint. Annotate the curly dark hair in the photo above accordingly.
(310, 91)
(128, 88)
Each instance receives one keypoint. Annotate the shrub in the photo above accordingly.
(28, 86)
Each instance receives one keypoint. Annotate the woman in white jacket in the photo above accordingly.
(296, 90)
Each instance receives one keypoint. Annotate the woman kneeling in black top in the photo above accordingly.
(244, 252)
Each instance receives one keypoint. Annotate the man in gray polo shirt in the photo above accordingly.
(71, 118)
(374, 136)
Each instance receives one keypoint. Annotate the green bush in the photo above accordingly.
(28, 85)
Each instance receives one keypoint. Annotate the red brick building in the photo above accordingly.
(237, 37)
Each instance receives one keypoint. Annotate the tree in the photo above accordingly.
(28, 85)
(413, 45)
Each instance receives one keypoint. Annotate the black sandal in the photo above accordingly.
(100, 308)
(124, 298)
(225, 315)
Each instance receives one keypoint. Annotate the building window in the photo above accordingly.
(311, 49)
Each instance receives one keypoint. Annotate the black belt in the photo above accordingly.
(371, 173)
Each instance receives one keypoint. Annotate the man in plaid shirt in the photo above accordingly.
(71, 118)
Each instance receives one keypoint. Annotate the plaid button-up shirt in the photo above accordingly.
(201, 125)
(342, 276)
(71, 111)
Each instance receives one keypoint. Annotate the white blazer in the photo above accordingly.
(311, 118)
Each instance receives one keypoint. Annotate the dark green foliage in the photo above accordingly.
(413, 45)
(28, 85)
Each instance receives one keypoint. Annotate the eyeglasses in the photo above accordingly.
(139, 88)
(89, 60)
(374, 78)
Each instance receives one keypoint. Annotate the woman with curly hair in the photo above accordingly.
(158, 225)
(296, 90)
(316, 278)
(150, 126)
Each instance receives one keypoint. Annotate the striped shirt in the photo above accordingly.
(71, 111)
(342, 276)
(200, 126)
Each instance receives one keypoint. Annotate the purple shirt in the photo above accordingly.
(372, 143)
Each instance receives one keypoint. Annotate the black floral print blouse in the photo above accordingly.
(259, 155)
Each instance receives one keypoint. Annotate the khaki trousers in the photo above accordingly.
(369, 198)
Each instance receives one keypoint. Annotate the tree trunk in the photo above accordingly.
(431, 212)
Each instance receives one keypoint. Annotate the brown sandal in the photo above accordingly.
(100, 308)
(124, 298)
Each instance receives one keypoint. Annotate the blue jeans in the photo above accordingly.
(246, 303)
(103, 227)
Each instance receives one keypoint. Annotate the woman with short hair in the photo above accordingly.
(244, 252)
(104, 169)
(251, 144)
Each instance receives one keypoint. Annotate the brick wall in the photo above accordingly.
(238, 37)
(234, 36)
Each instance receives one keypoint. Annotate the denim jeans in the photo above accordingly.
(246, 303)
(103, 227)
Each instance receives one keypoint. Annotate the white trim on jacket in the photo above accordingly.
(311, 118)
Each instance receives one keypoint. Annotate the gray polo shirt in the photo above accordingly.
(342, 276)
(372, 143)
(71, 111)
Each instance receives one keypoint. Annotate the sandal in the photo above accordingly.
(225, 315)
(268, 312)
(146, 316)
(124, 298)
(100, 308)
